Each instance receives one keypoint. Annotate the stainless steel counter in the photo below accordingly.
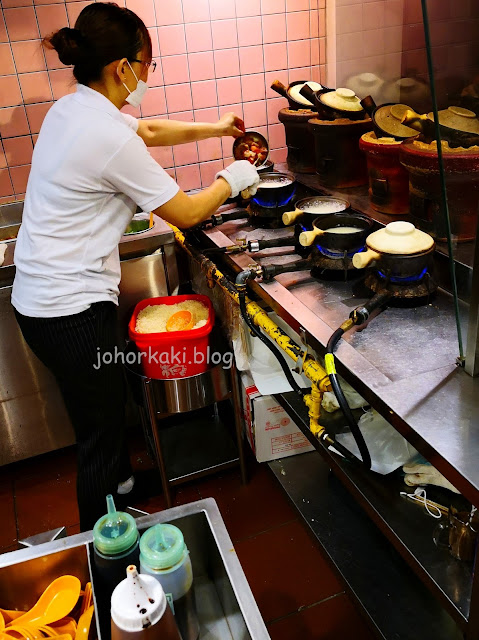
(404, 362)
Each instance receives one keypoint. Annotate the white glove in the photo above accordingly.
(420, 474)
(240, 175)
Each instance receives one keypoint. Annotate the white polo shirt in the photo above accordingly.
(89, 172)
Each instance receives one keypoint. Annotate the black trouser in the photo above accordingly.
(70, 347)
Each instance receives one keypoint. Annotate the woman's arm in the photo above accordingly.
(186, 211)
(163, 133)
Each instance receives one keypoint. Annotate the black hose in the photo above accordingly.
(343, 403)
(284, 366)
(330, 441)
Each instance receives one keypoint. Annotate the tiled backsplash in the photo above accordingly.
(213, 56)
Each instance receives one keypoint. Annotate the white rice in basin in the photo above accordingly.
(153, 318)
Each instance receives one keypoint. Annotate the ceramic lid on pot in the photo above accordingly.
(388, 119)
(294, 92)
(342, 99)
(458, 118)
(400, 237)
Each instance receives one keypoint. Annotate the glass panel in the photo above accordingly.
(423, 54)
(453, 62)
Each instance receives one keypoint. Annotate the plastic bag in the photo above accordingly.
(253, 356)
(355, 401)
(387, 448)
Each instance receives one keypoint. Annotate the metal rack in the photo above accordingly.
(191, 447)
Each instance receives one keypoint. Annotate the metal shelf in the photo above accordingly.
(397, 605)
(196, 446)
(406, 525)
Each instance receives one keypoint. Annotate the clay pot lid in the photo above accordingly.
(342, 100)
(388, 119)
(458, 118)
(294, 92)
(400, 237)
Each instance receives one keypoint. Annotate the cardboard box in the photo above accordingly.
(270, 431)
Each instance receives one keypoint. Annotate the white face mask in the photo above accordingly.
(138, 94)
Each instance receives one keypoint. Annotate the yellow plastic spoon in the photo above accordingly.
(84, 624)
(55, 603)
(11, 614)
(28, 632)
(87, 598)
(66, 625)
(47, 631)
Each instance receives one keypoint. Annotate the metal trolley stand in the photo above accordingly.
(193, 445)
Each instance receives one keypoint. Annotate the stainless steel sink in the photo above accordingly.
(226, 607)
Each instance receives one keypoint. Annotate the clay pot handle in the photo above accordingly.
(363, 259)
(290, 217)
(307, 238)
(279, 87)
(368, 105)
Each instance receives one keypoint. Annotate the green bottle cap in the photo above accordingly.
(162, 546)
(115, 532)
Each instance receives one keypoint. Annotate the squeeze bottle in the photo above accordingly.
(140, 611)
(164, 555)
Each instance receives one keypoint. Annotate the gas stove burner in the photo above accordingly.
(269, 203)
(337, 255)
(267, 217)
(403, 280)
(412, 291)
(327, 260)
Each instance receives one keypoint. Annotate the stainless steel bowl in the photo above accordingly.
(250, 136)
(139, 224)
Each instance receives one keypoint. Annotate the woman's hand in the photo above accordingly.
(230, 125)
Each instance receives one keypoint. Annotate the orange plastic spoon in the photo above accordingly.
(11, 614)
(55, 603)
(180, 321)
(84, 624)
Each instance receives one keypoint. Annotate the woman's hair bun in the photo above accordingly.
(69, 44)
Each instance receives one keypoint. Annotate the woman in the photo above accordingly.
(90, 170)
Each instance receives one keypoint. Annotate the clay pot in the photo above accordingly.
(388, 179)
(425, 200)
(339, 161)
(299, 139)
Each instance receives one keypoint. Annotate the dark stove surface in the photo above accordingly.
(411, 293)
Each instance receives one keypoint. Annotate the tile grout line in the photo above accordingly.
(19, 86)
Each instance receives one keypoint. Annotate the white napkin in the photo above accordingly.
(421, 474)
(3, 249)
